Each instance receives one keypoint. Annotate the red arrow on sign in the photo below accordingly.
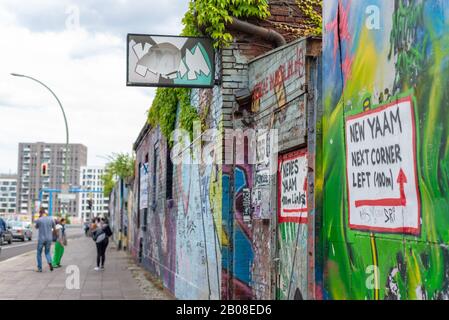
(398, 202)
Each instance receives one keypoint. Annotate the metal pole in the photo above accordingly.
(50, 204)
(63, 113)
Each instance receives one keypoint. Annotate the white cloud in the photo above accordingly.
(86, 69)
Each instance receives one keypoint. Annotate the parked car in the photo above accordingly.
(6, 237)
(21, 230)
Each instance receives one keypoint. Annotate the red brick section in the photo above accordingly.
(286, 18)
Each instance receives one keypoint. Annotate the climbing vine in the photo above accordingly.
(188, 114)
(211, 16)
(313, 24)
(164, 108)
(204, 17)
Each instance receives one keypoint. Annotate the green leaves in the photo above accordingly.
(213, 15)
(120, 166)
(313, 25)
(108, 182)
(164, 109)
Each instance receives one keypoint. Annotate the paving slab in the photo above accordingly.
(77, 279)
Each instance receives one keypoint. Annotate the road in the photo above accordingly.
(18, 247)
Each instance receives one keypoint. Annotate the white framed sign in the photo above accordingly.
(292, 187)
(170, 61)
(381, 169)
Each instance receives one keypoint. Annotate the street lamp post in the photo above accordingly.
(65, 120)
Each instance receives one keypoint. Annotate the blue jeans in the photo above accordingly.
(40, 246)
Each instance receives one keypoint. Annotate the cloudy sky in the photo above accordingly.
(78, 48)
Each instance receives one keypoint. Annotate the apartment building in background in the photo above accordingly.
(90, 179)
(8, 194)
(31, 180)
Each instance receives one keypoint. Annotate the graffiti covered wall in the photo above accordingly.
(278, 84)
(154, 232)
(197, 203)
(385, 151)
(210, 230)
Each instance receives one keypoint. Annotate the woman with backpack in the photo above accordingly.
(101, 237)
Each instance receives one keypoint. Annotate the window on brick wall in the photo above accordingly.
(155, 173)
(169, 177)
(145, 219)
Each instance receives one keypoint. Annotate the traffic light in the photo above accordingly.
(44, 169)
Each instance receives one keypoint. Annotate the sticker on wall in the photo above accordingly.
(381, 169)
(262, 178)
(260, 203)
(292, 187)
(246, 193)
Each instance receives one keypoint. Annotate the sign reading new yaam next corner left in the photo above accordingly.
(170, 61)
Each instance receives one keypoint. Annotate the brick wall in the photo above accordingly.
(154, 225)
(200, 243)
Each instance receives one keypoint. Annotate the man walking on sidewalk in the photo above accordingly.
(45, 226)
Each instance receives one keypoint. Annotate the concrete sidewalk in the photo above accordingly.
(121, 279)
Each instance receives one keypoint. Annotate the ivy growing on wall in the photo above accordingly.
(313, 24)
(164, 108)
(211, 16)
(188, 114)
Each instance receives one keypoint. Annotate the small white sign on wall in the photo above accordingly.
(292, 187)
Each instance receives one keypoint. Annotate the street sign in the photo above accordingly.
(66, 197)
(381, 170)
(170, 61)
(292, 187)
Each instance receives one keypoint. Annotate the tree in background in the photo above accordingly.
(120, 166)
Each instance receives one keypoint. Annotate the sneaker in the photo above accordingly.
(38, 270)
(96, 269)
(51, 266)
(102, 267)
(57, 266)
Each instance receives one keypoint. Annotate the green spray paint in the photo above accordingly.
(410, 59)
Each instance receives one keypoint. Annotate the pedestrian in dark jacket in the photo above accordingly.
(101, 236)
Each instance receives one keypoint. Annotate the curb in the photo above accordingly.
(75, 237)
(17, 257)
